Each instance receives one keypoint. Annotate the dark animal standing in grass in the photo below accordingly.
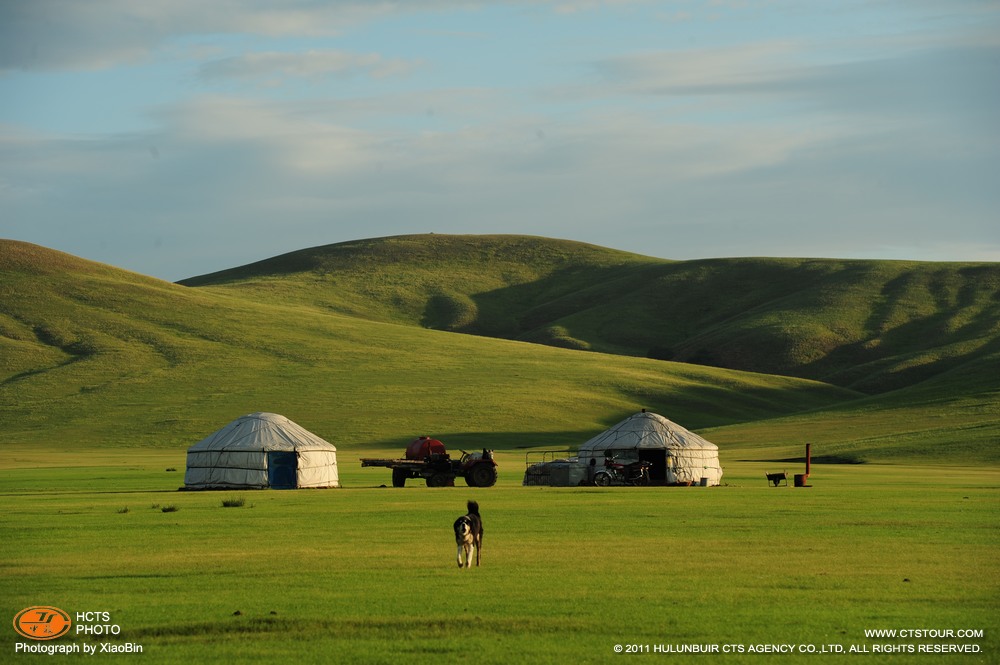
(469, 535)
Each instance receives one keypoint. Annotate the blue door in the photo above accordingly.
(281, 468)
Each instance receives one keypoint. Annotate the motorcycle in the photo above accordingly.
(623, 473)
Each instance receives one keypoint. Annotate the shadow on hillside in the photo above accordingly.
(517, 309)
(724, 402)
(499, 441)
(901, 346)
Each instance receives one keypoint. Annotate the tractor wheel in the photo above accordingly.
(602, 479)
(481, 475)
(399, 477)
(440, 479)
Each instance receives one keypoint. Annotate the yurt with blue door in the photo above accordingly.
(261, 451)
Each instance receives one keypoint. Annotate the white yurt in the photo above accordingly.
(260, 451)
(677, 456)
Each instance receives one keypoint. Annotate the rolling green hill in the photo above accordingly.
(338, 340)
(92, 356)
(872, 326)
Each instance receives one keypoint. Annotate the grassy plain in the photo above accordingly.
(367, 574)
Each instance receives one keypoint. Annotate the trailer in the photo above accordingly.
(427, 458)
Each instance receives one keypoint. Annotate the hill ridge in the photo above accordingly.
(867, 324)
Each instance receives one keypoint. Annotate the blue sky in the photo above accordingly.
(178, 138)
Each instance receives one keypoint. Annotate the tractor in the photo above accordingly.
(427, 458)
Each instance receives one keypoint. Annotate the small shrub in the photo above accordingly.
(123, 510)
(169, 509)
(449, 311)
(155, 506)
(233, 502)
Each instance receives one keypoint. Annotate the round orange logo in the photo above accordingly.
(42, 623)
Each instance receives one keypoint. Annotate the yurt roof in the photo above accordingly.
(262, 431)
(646, 430)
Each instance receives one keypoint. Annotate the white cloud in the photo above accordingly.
(61, 34)
(899, 77)
(312, 64)
(95, 34)
(230, 172)
(282, 141)
(697, 70)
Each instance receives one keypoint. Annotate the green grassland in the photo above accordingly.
(367, 574)
(106, 377)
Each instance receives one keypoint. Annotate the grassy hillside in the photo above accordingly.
(478, 284)
(872, 326)
(94, 356)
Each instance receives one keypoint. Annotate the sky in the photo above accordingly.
(179, 137)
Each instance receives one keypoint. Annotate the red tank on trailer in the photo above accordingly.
(423, 447)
